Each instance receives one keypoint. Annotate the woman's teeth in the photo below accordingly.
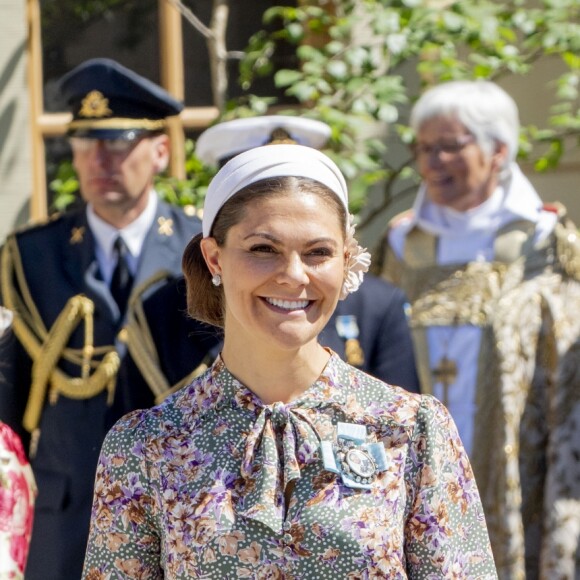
(288, 304)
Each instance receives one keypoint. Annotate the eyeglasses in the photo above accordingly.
(111, 146)
(446, 147)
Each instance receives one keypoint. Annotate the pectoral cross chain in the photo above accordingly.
(445, 373)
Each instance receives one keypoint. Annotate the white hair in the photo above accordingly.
(485, 109)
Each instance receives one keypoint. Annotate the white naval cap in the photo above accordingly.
(224, 140)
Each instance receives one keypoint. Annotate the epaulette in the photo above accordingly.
(38, 223)
(555, 207)
(192, 212)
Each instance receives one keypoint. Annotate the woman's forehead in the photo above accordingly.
(295, 211)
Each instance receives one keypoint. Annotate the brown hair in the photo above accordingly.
(205, 301)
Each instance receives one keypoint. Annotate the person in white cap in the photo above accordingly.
(225, 140)
(368, 329)
(282, 460)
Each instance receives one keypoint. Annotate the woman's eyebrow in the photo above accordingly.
(276, 240)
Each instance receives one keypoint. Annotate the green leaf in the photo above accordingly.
(337, 69)
(286, 77)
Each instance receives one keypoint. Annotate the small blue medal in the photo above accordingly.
(346, 326)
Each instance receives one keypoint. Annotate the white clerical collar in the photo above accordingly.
(133, 234)
(515, 198)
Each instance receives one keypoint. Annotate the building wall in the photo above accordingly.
(15, 155)
(534, 94)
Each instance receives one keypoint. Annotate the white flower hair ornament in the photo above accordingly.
(358, 261)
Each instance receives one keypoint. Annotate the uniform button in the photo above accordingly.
(287, 538)
(123, 335)
(286, 526)
(288, 551)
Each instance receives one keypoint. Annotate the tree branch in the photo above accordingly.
(216, 46)
(192, 18)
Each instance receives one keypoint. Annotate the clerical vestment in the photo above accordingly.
(525, 447)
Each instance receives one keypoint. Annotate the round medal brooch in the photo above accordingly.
(355, 461)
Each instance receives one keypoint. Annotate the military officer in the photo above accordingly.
(68, 282)
(368, 329)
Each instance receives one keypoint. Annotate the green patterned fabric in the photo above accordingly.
(215, 484)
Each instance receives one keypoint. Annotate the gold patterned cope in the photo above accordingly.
(523, 302)
(46, 347)
(142, 347)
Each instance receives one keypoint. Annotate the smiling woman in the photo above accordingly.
(282, 269)
(281, 460)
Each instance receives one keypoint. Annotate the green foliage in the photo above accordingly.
(362, 64)
(65, 186)
(366, 61)
(189, 192)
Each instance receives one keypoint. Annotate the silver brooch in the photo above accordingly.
(356, 460)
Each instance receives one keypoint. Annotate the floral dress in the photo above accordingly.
(17, 495)
(355, 479)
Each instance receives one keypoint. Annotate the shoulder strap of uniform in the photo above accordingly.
(142, 347)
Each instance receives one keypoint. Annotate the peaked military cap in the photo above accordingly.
(109, 101)
(221, 142)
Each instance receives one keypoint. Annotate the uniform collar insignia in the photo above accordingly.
(95, 106)
(353, 457)
(77, 235)
(165, 226)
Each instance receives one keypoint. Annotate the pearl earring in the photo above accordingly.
(216, 280)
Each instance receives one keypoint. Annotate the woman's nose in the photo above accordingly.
(294, 271)
(435, 158)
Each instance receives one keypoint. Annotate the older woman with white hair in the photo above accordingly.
(492, 275)
(282, 461)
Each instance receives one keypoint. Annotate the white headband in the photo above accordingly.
(267, 162)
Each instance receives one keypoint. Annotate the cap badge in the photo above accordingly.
(77, 235)
(95, 106)
(165, 226)
(280, 136)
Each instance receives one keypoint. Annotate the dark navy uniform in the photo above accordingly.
(379, 345)
(61, 390)
(179, 346)
(58, 263)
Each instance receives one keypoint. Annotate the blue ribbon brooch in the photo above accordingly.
(356, 461)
